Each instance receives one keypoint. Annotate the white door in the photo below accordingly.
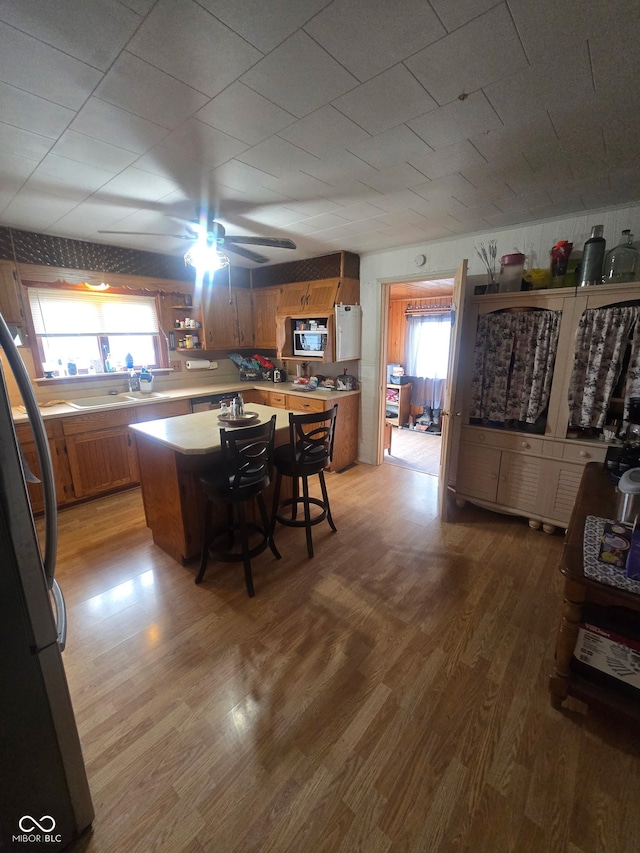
(451, 419)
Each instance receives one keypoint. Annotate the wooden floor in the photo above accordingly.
(388, 695)
(416, 450)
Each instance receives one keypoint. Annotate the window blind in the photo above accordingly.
(66, 312)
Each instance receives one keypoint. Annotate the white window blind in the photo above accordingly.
(66, 312)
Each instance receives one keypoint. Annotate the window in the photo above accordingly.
(81, 333)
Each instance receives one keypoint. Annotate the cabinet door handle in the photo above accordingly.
(526, 444)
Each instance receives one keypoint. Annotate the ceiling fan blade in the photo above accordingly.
(274, 242)
(152, 234)
(245, 253)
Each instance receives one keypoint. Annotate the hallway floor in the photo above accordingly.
(416, 450)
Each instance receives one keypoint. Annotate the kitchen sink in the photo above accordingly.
(97, 402)
(145, 395)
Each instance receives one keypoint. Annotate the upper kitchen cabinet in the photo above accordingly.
(318, 295)
(226, 318)
(265, 308)
(10, 302)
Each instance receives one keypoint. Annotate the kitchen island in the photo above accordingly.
(172, 452)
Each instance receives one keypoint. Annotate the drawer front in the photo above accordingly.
(583, 453)
(23, 431)
(156, 411)
(505, 440)
(277, 400)
(303, 404)
(98, 420)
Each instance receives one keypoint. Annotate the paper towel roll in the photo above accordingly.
(199, 364)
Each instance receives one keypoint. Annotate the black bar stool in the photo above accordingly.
(309, 452)
(243, 474)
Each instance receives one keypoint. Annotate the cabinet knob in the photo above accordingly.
(526, 444)
(584, 454)
(481, 437)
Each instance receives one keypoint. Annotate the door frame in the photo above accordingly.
(385, 299)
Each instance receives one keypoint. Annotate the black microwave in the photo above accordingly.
(309, 343)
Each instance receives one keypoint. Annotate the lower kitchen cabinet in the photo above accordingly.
(519, 474)
(61, 472)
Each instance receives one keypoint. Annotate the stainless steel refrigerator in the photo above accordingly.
(45, 801)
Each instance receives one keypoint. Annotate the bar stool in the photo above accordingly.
(243, 474)
(309, 452)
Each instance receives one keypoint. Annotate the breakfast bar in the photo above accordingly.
(172, 453)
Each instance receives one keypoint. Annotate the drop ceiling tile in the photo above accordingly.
(325, 220)
(504, 220)
(155, 96)
(403, 217)
(71, 25)
(339, 166)
(265, 31)
(456, 121)
(243, 113)
(190, 176)
(398, 145)
(323, 131)
(86, 149)
(28, 64)
(16, 167)
(24, 143)
(29, 112)
(135, 184)
(484, 50)
(363, 210)
(278, 217)
(142, 7)
(243, 177)
(313, 207)
(525, 131)
(386, 101)
(448, 161)
(30, 209)
(277, 157)
(367, 37)
(92, 215)
(60, 176)
(398, 177)
(299, 76)
(513, 203)
(544, 85)
(361, 226)
(456, 13)
(204, 53)
(104, 121)
(548, 211)
(298, 186)
(203, 143)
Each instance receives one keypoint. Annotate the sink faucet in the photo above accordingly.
(134, 381)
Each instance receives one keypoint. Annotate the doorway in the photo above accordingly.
(411, 430)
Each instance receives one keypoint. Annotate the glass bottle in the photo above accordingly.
(621, 263)
(593, 258)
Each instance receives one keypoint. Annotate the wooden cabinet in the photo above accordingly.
(265, 308)
(10, 299)
(101, 452)
(226, 318)
(61, 472)
(398, 404)
(318, 295)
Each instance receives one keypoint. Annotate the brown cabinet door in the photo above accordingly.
(219, 319)
(321, 295)
(61, 475)
(265, 308)
(10, 304)
(293, 298)
(101, 460)
(245, 335)
(256, 395)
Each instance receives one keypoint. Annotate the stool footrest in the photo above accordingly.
(300, 522)
(224, 555)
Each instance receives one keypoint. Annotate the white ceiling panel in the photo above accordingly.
(391, 98)
(155, 95)
(29, 64)
(456, 121)
(484, 50)
(203, 53)
(299, 76)
(243, 113)
(71, 25)
(264, 25)
(104, 121)
(29, 112)
(314, 118)
(367, 36)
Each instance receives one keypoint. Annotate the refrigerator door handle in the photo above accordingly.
(61, 614)
(42, 448)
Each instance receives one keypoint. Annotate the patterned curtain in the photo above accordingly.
(513, 364)
(601, 339)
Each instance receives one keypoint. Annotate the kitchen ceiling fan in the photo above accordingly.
(205, 234)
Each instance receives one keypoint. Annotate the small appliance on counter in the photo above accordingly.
(279, 375)
(346, 382)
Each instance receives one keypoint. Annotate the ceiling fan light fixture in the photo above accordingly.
(205, 258)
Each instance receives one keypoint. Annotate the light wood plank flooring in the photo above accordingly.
(416, 450)
(388, 696)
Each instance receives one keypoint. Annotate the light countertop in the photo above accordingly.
(199, 433)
